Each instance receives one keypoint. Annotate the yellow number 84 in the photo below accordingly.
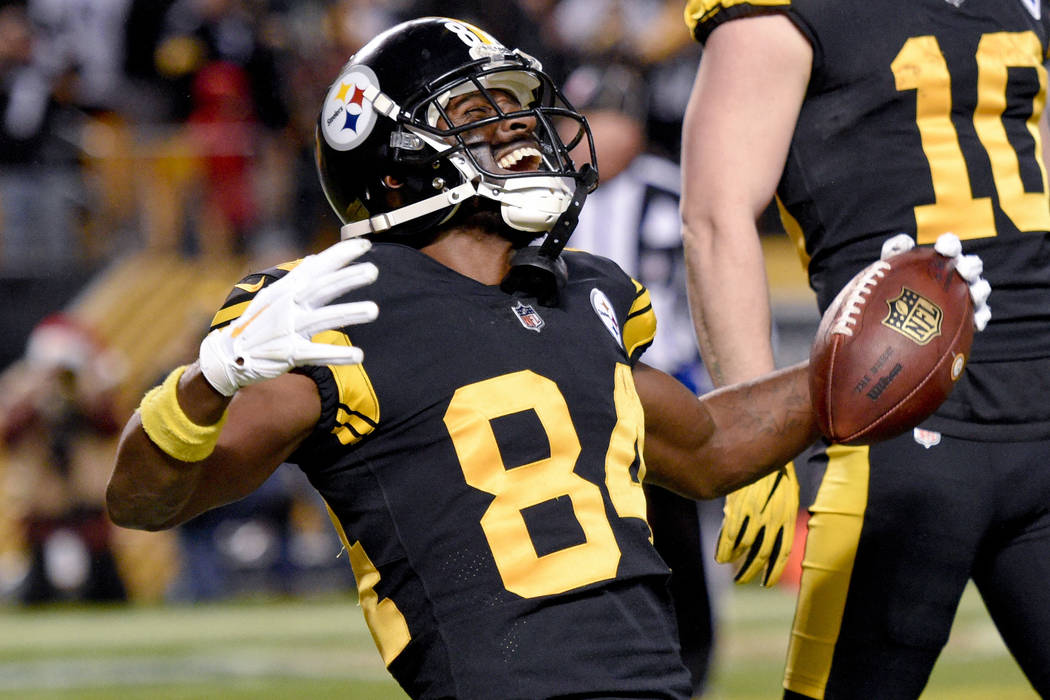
(469, 421)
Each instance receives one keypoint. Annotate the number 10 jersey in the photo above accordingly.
(921, 116)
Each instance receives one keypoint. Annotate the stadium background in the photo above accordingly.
(151, 152)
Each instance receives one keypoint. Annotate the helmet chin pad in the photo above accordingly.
(531, 204)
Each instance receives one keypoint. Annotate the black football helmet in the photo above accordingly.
(385, 115)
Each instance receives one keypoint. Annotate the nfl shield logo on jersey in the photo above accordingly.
(528, 316)
(926, 438)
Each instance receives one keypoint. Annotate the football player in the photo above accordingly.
(484, 464)
(866, 118)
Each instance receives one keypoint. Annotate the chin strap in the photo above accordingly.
(539, 271)
(382, 222)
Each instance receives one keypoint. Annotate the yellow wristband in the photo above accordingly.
(170, 429)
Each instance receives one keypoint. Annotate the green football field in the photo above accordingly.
(320, 648)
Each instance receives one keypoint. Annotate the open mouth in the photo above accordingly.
(521, 159)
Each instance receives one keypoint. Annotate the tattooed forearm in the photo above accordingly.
(706, 447)
(761, 426)
(777, 409)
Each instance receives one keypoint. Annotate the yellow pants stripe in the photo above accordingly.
(831, 545)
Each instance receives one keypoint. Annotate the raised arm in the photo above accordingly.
(707, 446)
(738, 125)
(214, 431)
(151, 490)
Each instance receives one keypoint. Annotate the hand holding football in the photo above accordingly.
(891, 347)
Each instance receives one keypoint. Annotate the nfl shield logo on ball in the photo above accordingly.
(914, 316)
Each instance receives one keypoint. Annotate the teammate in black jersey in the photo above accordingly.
(484, 464)
(866, 118)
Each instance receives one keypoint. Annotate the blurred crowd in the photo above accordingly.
(188, 124)
(151, 152)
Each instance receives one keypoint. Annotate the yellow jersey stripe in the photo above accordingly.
(794, 231)
(385, 621)
(358, 411)
(639, 328)
(223, 316)
(702, 16)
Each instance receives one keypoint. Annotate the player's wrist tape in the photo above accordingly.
(170, 429)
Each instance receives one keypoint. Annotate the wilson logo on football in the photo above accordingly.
(914, 316)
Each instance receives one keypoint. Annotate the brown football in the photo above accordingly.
(890, 347)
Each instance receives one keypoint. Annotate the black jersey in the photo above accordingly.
(921, 117)
(484, 467)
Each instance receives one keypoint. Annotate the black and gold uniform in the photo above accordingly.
(921, 117)
(484, 469)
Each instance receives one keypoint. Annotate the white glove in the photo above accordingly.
(758, 526)
(273, 334)
(969, 268)
(901, 243)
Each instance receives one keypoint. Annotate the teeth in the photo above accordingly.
(517, 155)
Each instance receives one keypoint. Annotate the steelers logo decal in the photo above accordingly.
(601, 305)
(347, 117)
